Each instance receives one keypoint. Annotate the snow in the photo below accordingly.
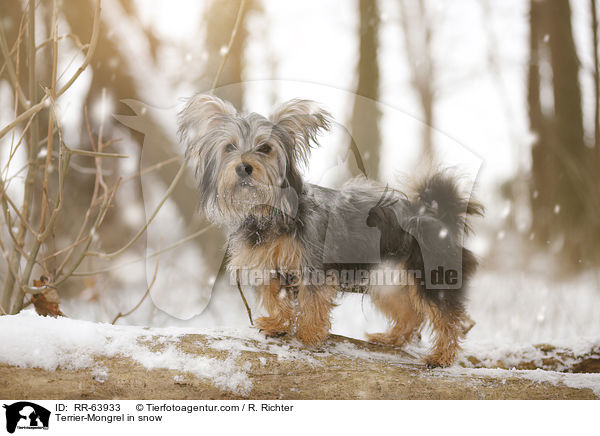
(511, 354)
(577, 381)
(52, 343)
(100, 374)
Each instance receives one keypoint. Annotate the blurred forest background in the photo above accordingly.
(87, 95)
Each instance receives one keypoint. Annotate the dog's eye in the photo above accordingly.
(264, 148)
(229, 148)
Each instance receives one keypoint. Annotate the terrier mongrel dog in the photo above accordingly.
(249, 181)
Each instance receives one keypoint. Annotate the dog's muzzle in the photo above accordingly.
(243, 170)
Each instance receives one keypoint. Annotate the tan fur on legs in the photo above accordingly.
(448, 328)
(279, 307)
(314, 306)
(448, 333)
(394, 302)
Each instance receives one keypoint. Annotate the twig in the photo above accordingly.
(149, 256)
(8, 262)
(151, 168)
(42, 103)
(71, 36)
(17, 43)
(88, 214)
(36, 289)
(239, 286)
(121, 315)
(238, 20)
(12, 75)
(62, 250)
(14, 148)
(90, 237)
(143, 229)
(4, 195)
(97, 153)
(90, 52)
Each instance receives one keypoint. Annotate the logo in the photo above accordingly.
(26, 415)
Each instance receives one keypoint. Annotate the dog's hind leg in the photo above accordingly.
(448, 330)
(448, 327)
(394, 302)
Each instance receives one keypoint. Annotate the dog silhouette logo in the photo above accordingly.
(26, 415)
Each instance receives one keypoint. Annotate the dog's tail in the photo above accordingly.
(437, 221)
(439, 196)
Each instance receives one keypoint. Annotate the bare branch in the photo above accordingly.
(4, 195)
(238, 20)
(90, 52)
(12, 75)
(152, 168)
(121, 315)
(239, 286)
(43, 103)
(97, 154)
(143, 229)
(140, 259)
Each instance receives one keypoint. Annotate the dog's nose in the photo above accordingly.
(243, 169)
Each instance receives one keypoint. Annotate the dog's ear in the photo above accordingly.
(201, 113)
(302, 120)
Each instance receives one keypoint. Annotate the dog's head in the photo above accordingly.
(247, 164)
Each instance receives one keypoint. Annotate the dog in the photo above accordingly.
(314, 241)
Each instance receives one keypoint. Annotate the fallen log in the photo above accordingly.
(109, 362)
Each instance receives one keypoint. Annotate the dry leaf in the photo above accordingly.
(46, 303)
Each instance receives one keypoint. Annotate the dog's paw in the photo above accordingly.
(272, 327)
(438, 361)
(386, 339)
(312, 337)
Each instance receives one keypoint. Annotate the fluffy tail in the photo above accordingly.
(440, 196)
(437, 222)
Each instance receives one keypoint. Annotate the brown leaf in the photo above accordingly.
(47, 303)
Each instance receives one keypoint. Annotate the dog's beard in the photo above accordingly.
(240, 198)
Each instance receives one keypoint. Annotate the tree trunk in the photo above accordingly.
(220, 20)
(418, 31)
(364, 125)
(565, 192)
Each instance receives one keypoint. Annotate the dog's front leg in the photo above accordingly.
(276, 301)
(314, 305)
